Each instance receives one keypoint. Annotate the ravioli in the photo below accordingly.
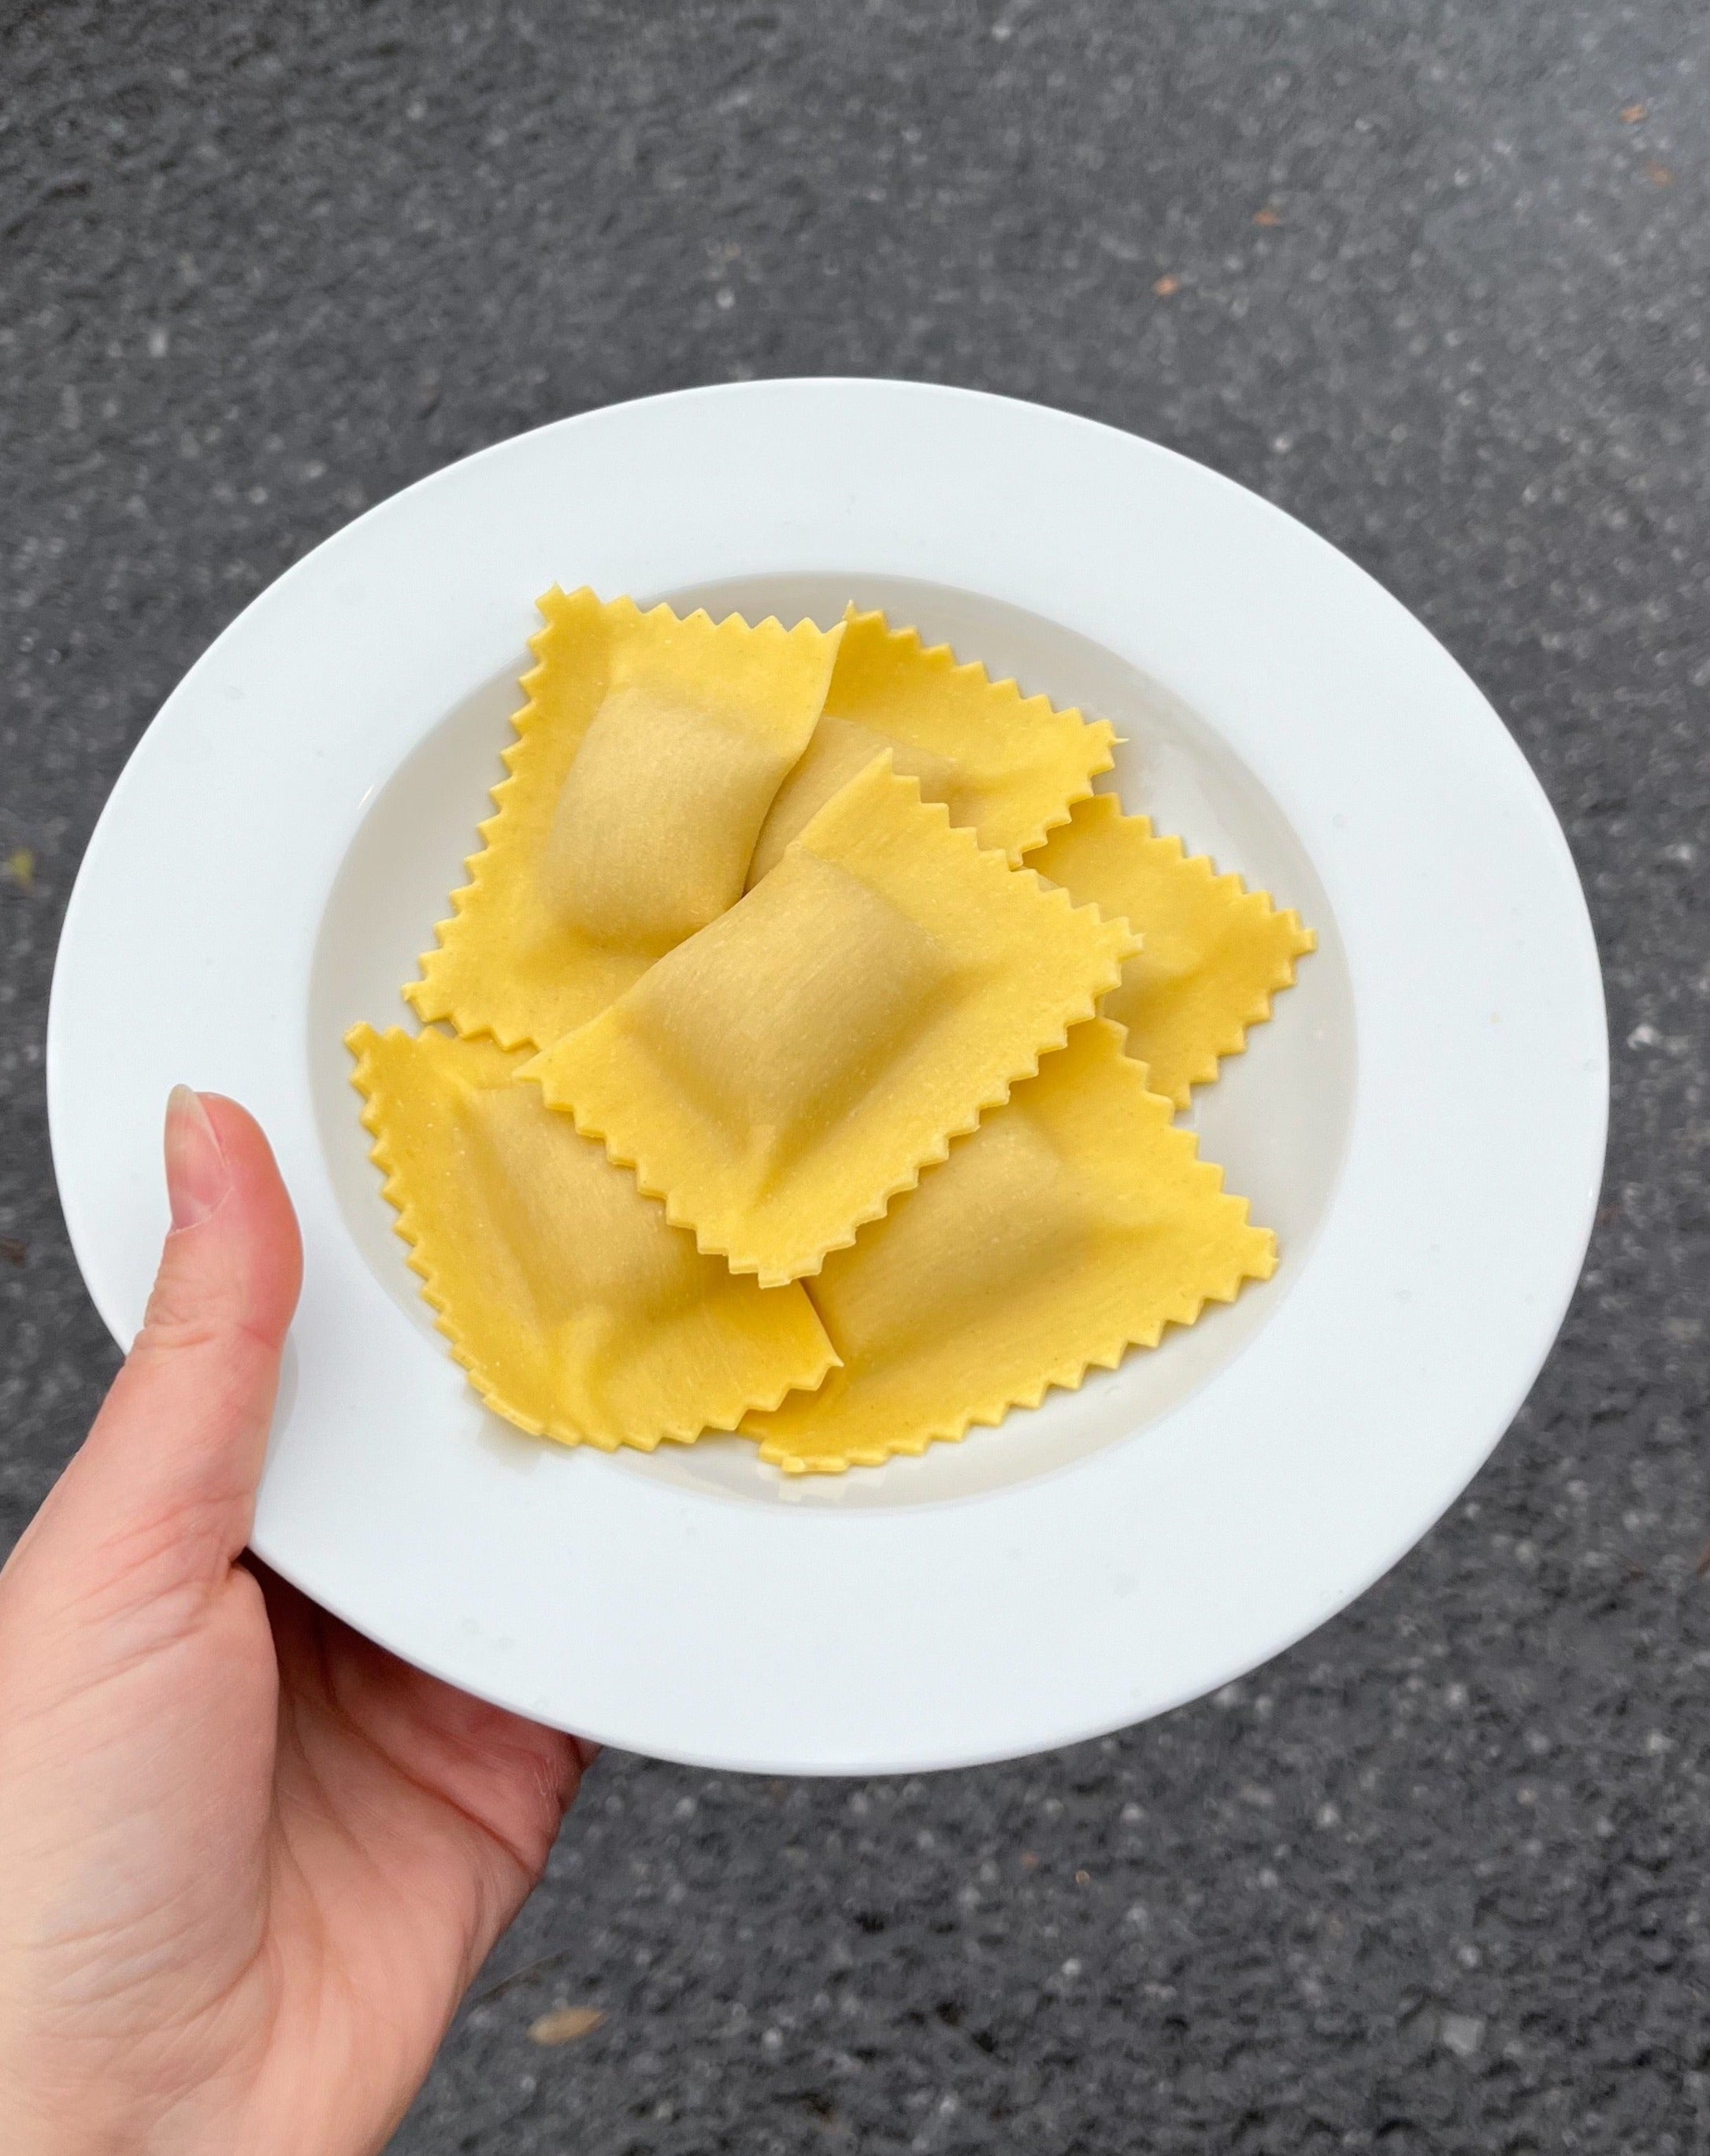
(1213, 955)
(1075, 1223)
(778, 1077)
(577, 1312)
(1007, 766)
(646, 760)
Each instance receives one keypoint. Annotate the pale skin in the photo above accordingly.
(249, 1862)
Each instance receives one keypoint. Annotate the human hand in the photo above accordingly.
(248, 1861)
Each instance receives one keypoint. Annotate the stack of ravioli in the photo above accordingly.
(801, 1058)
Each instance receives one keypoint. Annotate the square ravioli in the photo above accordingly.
(1213, 953)
(578, 1312)
(1008, 766)
(777, 1078)
(646, 761)
(1075, 1223)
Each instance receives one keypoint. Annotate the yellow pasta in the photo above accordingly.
(646, 760)
(1007, 766)
(1075, 1223)
(1213, 953)
(577, 1312)
(778, 1077)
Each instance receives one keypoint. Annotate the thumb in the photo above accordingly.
(165, 1483)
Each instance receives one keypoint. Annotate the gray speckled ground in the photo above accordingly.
(1431, 274)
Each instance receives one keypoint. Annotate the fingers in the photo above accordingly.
(512, 1777)
(166, 1479)
(473, 1795)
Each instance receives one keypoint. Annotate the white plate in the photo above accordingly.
(1423, 1122)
